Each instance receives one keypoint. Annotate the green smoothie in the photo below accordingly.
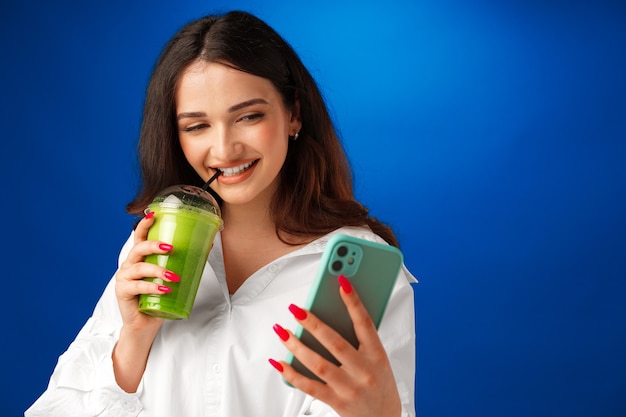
(190, 230)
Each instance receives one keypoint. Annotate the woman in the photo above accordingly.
(229, 94)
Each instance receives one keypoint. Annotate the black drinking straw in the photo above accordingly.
(205, 187)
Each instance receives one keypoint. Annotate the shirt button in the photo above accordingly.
(273, 268)
(129, 405)
(217, 368)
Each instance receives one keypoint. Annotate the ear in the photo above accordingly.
(295, 122)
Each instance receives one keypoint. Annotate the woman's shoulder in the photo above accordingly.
(364, 233)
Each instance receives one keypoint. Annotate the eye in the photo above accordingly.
(195, 127)
(251, 117)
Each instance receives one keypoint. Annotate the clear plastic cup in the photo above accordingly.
(188, 218)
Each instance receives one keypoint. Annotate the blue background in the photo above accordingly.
(491, 135)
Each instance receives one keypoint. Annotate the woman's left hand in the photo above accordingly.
(364, 384)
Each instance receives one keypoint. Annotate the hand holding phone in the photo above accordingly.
(372, 269)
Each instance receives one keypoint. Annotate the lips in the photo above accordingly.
(232, 171)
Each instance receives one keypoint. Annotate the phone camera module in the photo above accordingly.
(337, 265)
(342, 251)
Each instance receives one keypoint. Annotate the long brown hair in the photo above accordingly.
(315, 194)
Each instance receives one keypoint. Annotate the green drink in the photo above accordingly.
(188, 218)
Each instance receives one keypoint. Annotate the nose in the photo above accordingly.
(224, 145)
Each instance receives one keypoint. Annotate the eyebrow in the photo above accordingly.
(246, 104)
(190, 115)
(231, 109)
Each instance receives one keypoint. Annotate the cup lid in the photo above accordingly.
(190, 196)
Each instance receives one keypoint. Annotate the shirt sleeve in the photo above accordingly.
(83, 382)
(397, 332)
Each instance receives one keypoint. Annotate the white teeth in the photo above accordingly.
(235, 170)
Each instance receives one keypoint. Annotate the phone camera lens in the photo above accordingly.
(342, 251)
(337, 265)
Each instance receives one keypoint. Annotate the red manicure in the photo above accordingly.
(276, 365)
(297, 312)
(163, 288)
(171, 276)
(345, 284)
(282, 333)
(150, 215)
(165, 246)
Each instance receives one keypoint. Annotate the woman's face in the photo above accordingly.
(235, 122)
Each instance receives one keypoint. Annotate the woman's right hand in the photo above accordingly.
(138, 331)
(129, 283)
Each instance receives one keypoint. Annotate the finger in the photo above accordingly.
(145, 248)
(312, 360)
(316, 389)
(339, 347)
(141, 231)
(143, 270)
(364, 327)
(129, 290)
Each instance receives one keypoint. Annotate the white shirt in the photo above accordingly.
(216, 362)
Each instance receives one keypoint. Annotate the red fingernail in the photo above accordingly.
(171, 276)
(165, 246)
(297, 312)
(282, 333)
(345, 284)
(163, 288)
(276, 365)
(150, 215)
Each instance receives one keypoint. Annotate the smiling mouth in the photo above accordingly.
(229, 172)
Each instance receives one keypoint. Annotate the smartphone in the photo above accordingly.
(372, 268)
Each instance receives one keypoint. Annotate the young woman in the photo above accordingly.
(229, 94)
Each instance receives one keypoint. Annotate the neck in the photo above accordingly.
(252, 220)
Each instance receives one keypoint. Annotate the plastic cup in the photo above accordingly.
(188, 218)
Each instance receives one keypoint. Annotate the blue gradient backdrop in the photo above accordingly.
(492, 135)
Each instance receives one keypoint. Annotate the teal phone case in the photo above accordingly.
(372, 269)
